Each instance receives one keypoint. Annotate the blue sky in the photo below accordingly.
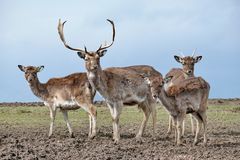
(147, 32)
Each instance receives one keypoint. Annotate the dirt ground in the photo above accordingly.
(33, 143)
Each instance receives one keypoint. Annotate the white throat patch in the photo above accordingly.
(91, 75)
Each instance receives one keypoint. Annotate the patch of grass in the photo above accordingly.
(39, 116)
(223, 114)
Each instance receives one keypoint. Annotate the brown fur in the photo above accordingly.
(194, 101)
(121, 86)
(177, 75)
(187, 85)
(67, 93)
(118, 86)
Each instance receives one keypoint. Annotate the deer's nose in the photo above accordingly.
(155, 96)
(30, 80)
(94, 67)
(189, 71)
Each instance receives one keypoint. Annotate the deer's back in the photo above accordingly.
(70, 87)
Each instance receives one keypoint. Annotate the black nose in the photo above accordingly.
(94, 67)
(189, 71)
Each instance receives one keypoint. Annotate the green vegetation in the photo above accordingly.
(39, 116)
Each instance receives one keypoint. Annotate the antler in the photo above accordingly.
(60, 32)
(182, 54)
(194, 52)
(113, 37)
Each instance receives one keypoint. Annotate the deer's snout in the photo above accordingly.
(93, 67)
(29, 79)
(189, 71)
(155, 96)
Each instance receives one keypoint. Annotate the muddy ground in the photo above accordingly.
(32, 143)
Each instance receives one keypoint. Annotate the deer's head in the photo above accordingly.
(92, 58)
(188, 62)
(155, 84)
(30, 72)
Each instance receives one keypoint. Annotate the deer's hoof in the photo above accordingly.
(116, 141)
(49, 136)
(139, 140)
(72, 135)
(91, 137)
(195, 143)
(179, 143)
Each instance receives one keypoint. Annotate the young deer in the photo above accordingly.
(67, 93)
(193, 101)
(178, 75)
(118, 86)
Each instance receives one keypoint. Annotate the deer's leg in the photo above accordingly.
(90, 125)
(192, 124)
(204, 120)
(174, 125)
(180, 119)
(147, 113)
(93, 121)
(170, 123)
(116, 121)
(112, 113)
(52, 116)
(115, 111)
(199, 126)
(183, 127)
(154, 118)
(91, 110)
(65, 116)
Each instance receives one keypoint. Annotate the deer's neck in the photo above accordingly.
(98, 80)
(39, 89)
(168, 102)
(188, 75)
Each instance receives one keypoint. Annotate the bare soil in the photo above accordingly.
(18, 142)
(33, 143)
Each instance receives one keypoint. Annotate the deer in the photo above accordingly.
(67, 93)
(192, 101)
(119, 86)
(178, 75)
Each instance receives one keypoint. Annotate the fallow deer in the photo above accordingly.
(192, 101)
(178, 75)
(188, 63)
(118, 86)
(67, 93)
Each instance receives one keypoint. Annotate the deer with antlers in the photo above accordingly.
(177, 75)
(118, 86)
(67, 93)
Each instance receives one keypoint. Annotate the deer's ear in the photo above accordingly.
(178, 59)
(102, 53)
(22, 68)
(40, 68)
(81, 54)
(197, 59)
